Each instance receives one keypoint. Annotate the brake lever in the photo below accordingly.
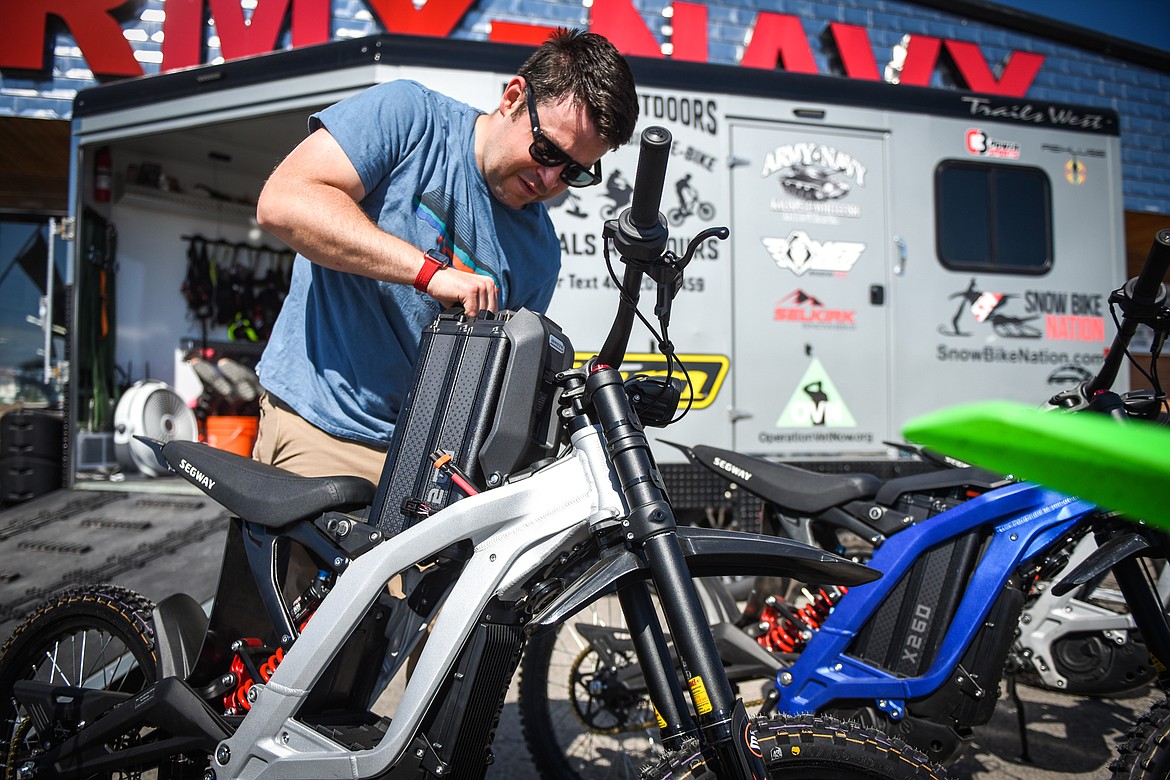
(668, 272)
(712, 232)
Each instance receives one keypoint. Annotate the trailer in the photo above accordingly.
(893, 249)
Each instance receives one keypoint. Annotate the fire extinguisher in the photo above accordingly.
(103, 173)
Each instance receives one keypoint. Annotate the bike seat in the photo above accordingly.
(789, 487)
(260, 493)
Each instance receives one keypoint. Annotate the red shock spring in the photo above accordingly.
(786, 630)
(236, 701)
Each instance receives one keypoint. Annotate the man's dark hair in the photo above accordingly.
(586, 67)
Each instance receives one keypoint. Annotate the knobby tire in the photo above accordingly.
(93, 636)
(1144, 754)
(812, 747)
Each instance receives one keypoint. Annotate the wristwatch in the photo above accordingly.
(433, 262)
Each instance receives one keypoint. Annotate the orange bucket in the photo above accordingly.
(234, 434)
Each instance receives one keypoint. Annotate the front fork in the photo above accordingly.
(1147, 610)
(723, 722)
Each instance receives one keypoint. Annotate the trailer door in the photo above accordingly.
(810, 265)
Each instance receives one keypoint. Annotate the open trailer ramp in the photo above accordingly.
(155, 543)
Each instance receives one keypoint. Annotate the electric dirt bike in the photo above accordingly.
(1084, 642)
(278, 680)
(1133, 457)
(920, 653)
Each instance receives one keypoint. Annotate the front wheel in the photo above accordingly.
(814, 747)
(1144, 754)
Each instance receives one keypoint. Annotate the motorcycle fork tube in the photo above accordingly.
(1142, 599)
(651, 531)
(670, 707)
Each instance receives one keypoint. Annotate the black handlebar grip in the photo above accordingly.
(1147, 288)
(652, 158)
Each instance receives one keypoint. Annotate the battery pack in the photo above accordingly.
(904, 634)
(484, 393)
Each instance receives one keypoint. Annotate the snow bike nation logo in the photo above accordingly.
(799, 306)
(816, 403)
(800, 254)
(988, 307)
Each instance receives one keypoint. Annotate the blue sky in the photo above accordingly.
(1143, 21)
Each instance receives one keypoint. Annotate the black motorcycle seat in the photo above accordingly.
(788, 487)
(261, 493)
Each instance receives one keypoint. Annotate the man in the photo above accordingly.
(401, 202)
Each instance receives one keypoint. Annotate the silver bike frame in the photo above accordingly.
(514, 529)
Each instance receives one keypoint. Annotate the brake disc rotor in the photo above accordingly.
(600, 702)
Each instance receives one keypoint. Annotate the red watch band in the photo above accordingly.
(433, 262)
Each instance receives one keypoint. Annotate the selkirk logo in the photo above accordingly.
(798, 306)
(800, 254)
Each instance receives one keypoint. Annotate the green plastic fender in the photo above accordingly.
(1123, 466)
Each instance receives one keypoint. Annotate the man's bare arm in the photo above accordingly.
(310, 202)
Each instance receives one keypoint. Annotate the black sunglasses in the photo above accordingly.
(548, 154)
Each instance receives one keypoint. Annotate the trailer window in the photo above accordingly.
(993, 217)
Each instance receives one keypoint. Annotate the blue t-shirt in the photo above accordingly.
(342, 351)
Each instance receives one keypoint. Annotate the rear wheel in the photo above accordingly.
(811, 747)
(1144, 754)
(96, 637)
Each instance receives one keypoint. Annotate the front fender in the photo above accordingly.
(709, 553)
(1102, 560)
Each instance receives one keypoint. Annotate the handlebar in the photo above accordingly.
(1147, 289)
(1141, 299)
(655, 151)
(640, 235)
(640, 232)
(614, 349)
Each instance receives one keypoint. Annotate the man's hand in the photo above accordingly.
(474, 291)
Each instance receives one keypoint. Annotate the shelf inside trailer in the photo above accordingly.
(186, 203)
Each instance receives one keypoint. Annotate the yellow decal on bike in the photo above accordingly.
(796, 750)
(658, 717)
(699, 694)
(707, 372)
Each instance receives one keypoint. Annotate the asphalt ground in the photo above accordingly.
(171, 540)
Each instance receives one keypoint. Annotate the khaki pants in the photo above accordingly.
(284, 439)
